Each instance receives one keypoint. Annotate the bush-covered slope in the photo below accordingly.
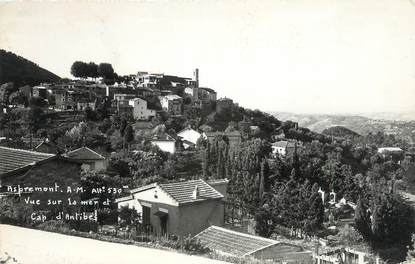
(21, 71)
(339, 131)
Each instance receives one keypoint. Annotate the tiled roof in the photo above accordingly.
(280, 144)
(232, 242)
(284, 144)
(14, 159)
(84, 153)
(182, 191)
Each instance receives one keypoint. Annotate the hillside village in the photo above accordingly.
(194, 168)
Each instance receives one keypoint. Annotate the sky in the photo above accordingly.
(303, 56)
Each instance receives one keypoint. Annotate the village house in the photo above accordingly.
(204, 94)
(234, 137)
(111, 90)
(165, 142)
(40, 91)
(143, 129)
(172, 104)
(177, 208)
(84, 104)
(394, 153)
(144, 91)
(345, 255)
(149, 80)
(68, 100)
(30, 168)
(89, 159)
(189, 137)
(140, 109)
(283, 148)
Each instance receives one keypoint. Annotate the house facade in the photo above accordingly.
(172, 104)
(178, 208)
(204, 94)
(140, 109)
(283, 148)
(164, 142)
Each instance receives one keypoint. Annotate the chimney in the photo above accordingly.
(196, 77)
(195, 194)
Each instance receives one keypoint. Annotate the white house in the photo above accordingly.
(165, 142)
(140, 110)
(189, 137)
(179, 208)
(282, 148)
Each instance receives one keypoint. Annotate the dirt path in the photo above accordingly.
(33, 246)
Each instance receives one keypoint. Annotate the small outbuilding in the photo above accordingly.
(90, 159)
(177, 208)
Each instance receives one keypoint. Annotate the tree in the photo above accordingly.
(123, 126)
(79, 69)
(263, 222)
(34, 120)
(129, 135)
(37, 102)
(90, 115)
(362, 219)
(106, 71)
(128, 216)
(92, 70)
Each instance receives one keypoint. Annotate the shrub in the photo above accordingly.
(83, 226)
(193, 245)
(54, 226)
(13, 211)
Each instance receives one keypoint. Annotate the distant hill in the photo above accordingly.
(359, 124)
(21, 71)
(339, 131)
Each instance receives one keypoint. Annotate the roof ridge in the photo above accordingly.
(30, 151)
(85, 147)
(212, 188)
